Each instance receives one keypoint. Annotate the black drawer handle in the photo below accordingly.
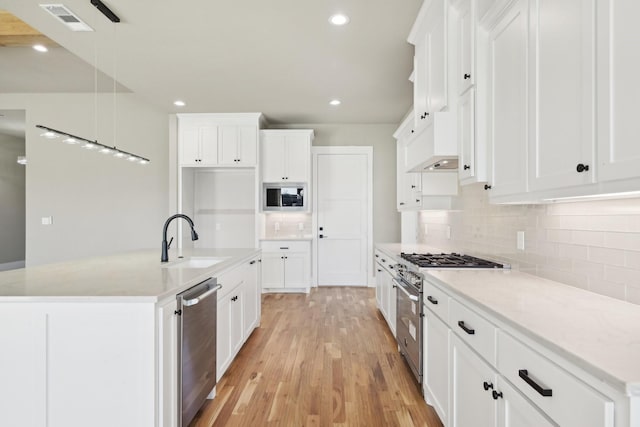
(432, 300)
(524, 374)
(379, 270)
(582, 168)
(467, 76)
(252, 262)
(465, 328)
(496, 394)
(487, 385)
(466, 167)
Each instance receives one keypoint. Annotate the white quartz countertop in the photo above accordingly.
(290, 237)
(132, 276)
(597, 333)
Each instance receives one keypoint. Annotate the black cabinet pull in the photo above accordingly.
(379, 270)
(466, 167)
(582, 168)
(401, 203)
(524, 374)
(252, 262)
(412, 131)
(417, 200)
(432, 300)
(496, 394)
(384, 260)
(413, 186)
(281, 257)
(394, 286)
(487, 187)
(467, 76)
(465, 328)
(284, 247)
(391, 267)
(377, 256)
(487, 386)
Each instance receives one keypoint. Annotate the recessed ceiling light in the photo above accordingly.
(335, 102)
(179, 103)
(40, 48)
(339, 19)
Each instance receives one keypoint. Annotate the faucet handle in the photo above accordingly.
(169, 244)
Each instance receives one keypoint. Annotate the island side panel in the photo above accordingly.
(99, 362)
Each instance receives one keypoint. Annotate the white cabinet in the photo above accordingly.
(514, 410)
(436, 363)
(218, 140)
(197, 141)
(618, 92)
(237, 145)
(168, 363)
(286, 155)
(238, 312)
(429, 36)
(466, 29)
(508, 55)
(286, 265)
(472, 156)
(433, 142)
(562, 94)
(386, 289)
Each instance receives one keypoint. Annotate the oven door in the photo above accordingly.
(409, 326)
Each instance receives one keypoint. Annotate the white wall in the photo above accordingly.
(99, 204)
(593, 245)
(12, 199)
(386, 219)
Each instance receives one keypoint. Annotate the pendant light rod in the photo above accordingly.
(118, 153)
(105, 11)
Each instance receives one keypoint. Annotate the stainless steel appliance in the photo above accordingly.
(197, 314)
(409, 278)
(290, 196)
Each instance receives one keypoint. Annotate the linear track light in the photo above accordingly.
(92, 145)
(105, 11)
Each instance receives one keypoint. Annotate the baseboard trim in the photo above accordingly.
(12, 265)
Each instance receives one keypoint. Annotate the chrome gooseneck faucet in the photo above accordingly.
(165, 245)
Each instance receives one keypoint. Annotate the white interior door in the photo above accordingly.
(342, 193)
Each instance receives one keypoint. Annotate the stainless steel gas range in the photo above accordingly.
(409, 278)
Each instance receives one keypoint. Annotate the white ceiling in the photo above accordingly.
(279, 57)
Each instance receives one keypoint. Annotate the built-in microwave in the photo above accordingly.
(290, 196)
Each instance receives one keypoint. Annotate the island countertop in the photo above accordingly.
(136, 276)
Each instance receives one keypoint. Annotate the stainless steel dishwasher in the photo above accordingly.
(197, 314)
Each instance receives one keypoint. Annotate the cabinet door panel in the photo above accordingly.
(251, 295)
(420, 84)
(247, 145)
(296, 270)
(237, 315)
(380, 288)
(392, 302)
(168, 364)
(208, 137)
(272, 270)
(562, 107)
(227, 145)
(436, 363)
(223, 338)
(466, 49)
(471, 404)
(466, 135)
(297, 158)
(508, 92)
(273, 158)
(189, 145)
(437, 59)
(515, 411)
(618, 90)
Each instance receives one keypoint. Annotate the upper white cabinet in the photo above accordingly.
(238, 145)
(618, 91)
(286, 155)
(429, 36)
(197, 141)
(507, 84)
(214, 140)
(466, 33)
(561, 96)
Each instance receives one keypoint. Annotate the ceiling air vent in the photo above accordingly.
(68, 18)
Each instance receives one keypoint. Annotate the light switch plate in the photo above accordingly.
(448, 231)
(218, 226)
(47, 220)
(300, 226)
(520, 240)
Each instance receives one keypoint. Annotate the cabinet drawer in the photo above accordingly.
(563, 397)
(474, 330)
(436, 300)
(285, 246)
(385, 260)
(230, 280)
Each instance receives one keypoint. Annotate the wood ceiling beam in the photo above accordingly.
(16, 33)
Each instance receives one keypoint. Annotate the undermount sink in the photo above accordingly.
(196, 262)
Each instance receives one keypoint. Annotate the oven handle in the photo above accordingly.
(411, 297)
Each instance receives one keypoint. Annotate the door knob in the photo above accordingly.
(582, 168)
(467, 76)
(487, 187)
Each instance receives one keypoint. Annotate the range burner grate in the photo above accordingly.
(450, 260)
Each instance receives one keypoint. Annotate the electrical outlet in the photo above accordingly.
(448, 231)
(300, 226)
(276, 226)
(426, 229)
(218, 226)
(520, 240)
(47, 220)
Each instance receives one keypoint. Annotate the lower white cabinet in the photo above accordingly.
(286, 265)
(386, 289)
(238, 312)
(436, 364)
(168, 363)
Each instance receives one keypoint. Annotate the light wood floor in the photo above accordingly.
(323, 359)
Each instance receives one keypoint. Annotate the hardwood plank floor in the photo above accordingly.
(323, 359)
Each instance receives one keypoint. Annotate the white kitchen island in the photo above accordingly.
(93, 342)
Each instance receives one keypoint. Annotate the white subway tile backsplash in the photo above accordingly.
(593, 245)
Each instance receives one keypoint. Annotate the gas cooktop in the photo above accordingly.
(450, 260)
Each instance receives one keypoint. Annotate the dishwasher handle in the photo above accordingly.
(196, 300)
(411, 297)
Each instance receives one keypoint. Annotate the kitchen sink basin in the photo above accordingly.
(196, 262)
